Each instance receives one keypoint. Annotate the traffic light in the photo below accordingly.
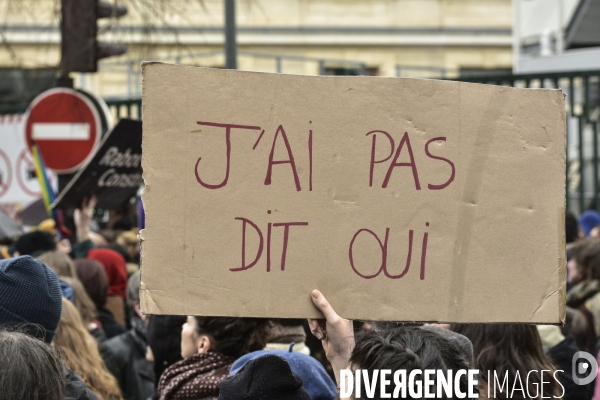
(80, 50)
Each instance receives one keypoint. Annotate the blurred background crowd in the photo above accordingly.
(82, 298)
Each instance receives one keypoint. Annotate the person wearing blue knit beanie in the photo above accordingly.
(588, 221)
(31, 302)
(264, 378)
(316, 381)
(31, 297)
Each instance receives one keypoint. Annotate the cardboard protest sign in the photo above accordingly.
(399, 199)
(113, 174)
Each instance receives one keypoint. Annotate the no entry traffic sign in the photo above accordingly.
(66, 126)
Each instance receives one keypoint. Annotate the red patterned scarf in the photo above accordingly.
(195, 377)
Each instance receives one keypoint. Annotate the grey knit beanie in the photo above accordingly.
(30, 297)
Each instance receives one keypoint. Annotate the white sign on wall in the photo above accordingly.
(18, 181)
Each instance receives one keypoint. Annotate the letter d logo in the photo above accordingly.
(582, 368)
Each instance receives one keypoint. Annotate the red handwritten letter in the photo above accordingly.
(286, 235)
(443, 185)
(260, 245)
(373, 146)
(383, 247)
(408, 257)
(228, 144)
(290, 159)
(395, 163)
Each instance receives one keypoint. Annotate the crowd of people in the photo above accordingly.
(71, 327)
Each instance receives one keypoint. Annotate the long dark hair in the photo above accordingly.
(29, 368)
(234, 336)
(510, 349)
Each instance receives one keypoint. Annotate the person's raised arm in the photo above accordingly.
(335, 332)
(82, 218)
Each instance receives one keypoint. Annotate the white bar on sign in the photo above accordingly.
(61, 131)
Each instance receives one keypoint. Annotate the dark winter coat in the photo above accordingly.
(109, 325)
(164, 338)
(562, 356)
(75, 389)
(125, 358)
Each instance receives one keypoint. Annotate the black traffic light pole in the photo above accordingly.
(80, 49)
(230, 33)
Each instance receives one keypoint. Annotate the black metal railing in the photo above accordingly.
(125, 108)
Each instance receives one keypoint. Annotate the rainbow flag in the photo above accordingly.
(48, 193)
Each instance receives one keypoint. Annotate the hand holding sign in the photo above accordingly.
(335, 332)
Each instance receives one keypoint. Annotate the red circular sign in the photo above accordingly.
(65, 126)
(26, 175)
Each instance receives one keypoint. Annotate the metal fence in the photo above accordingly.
(129, 108)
